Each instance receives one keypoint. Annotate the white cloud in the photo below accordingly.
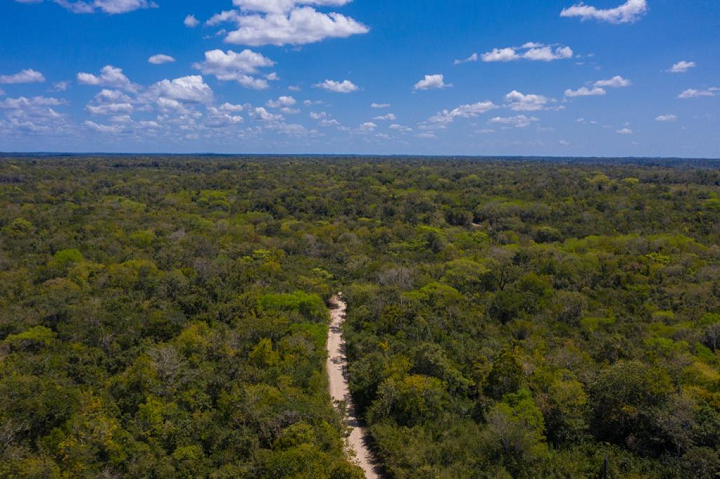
(282, 102)
(109, 108)
(191, 22)
(189, 89)
(625, 131)
(388, 117)
(614, 82)
(380, 105)
(283, 6)
(261, 114)
(109, 76)
(111, 7)
(428, 135)
(220, 118)
(666, 118)
(122, 6)
(61, 86)
(103, 128)
(519, 102)
(25, 76)
(682, 67)
(34, 116)
(1, 92)
(274, 22)
(531, 51)
(446, 117)
(338, 87)
(501, 55)
(229, 107)
(112, 96)
(693, 93)
(37, 101)
(401, 128)
(432, 82)
(239, 67)
(585, 91)
(159, 59)
(629, 12)
(318, 115)
(547, 54)
(471, 59)
(519, 121)
(366, 128)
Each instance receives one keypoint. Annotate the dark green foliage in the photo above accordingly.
(165, 317)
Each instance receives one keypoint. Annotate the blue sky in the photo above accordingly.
(451, 77)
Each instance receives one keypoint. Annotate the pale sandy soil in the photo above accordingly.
(339, 390)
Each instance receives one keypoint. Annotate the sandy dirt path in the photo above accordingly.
(339, 390)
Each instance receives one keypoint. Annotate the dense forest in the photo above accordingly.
(167, 317)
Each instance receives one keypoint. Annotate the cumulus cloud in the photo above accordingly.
(614, 82)
(282, 102)
(221, 117)
(501, 55)
(286, 22)
(380, 105)
(400, 128)
(338, 87)
(432, 82)
(682, 67)
(189, 89)
(239, 67)
(282, 6)
(103, 128)
(368, 125)
(519, 121)
(110, 77)
(109, 108)
(159, 59)
(585, 91)
(537, 52)
(191, 22)
(261, 114)
(471, 59)
(445, 117)
(388, 117)
(112, 96)
(37, 101)
(666, 118)
(230, 108)
(25, 76)
(111, 7)
(629, 12)
(548, 54)
(33, 116)
(693, 93)
(625, 131)
(520, 102)
(427, 135)
(61, 86)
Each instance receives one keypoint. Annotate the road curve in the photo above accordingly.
(340, 391)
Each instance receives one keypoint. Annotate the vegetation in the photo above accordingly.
(165, 317)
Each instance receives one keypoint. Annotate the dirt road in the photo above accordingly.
(339, 390)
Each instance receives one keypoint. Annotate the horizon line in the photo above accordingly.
(4, 155)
